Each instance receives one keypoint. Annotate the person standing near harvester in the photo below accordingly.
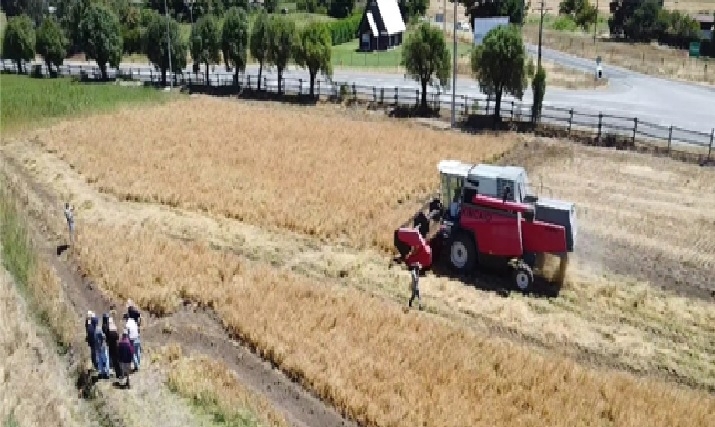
(415, 285)
(125, 353)
(133, 332)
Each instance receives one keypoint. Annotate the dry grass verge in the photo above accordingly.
(36, 388)
(380, 365)
(329, 176)
(213, 388)
(644, 58)
(557, 76)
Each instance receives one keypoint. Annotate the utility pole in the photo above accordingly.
(168, 45)
(444, 16)
(454, 63)
(595, 24)
(541, 31)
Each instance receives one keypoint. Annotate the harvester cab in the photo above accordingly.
(489, 215)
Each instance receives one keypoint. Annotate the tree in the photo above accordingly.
(260, 44)
(270, 5)
(498, 64)
(425, 56)
(18, 43)
(412, 8)
(312, 51)
(101, 36)
(538, 88)
(234, 40)
(514, 9)
(205, 42)
(156, 45)
(582, 12)
(51, 43)
(34, 9)
(341, 8)
(280, 49)
(70, 14)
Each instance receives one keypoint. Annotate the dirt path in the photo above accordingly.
(195, 330)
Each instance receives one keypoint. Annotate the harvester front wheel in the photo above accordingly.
(523, 277)
(462, 254)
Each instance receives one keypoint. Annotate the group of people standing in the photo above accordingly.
(109, 349)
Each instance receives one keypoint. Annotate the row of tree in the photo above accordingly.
(273, 40)
(499, 64)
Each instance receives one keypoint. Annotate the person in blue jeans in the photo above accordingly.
(100, 347)
(90, 329)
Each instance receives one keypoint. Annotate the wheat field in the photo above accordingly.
(338, 178)
(422, 369)
(629, 323)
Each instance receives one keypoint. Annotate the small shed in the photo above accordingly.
(382, 26)
(707, 25)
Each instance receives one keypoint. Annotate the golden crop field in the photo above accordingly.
(370, 359)
(323, 175)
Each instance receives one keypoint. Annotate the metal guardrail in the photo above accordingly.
(669, 139)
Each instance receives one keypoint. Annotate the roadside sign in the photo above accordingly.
(694, 49)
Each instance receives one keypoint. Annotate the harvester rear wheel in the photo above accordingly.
(523, 277)
(462, 253)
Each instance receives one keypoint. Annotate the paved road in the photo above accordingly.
(629, 94)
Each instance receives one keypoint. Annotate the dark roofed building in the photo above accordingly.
(382, 26)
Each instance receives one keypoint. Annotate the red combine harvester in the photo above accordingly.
(493, 218)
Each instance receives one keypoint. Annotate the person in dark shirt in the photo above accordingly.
(89, 329)
(112, 344)
(125, 354)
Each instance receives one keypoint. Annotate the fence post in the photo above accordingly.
(318, 93)
(354, 91)
(570, 120)
(300, 87)
(382, 95)
(488, 99)
(466, 105)
(374, 94)
(397, 96)
(635, 129)
(712, 138)
(265, 84)
(600, 123)
(512, 111)
(670, 137)
(417, 97)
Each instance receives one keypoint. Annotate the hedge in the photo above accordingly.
(344, 30)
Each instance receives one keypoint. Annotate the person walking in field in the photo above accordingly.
(90, 329)
(100, 347)
(133, 333)
(112, 345)
(69, 216)
(125, 354)
(415, 285)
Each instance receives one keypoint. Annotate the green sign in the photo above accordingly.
(695, 49)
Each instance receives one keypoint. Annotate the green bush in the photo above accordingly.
(344, 30)
(564, 23)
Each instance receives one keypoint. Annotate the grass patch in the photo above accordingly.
(27, 102)
(17, 255)
(214, 390)
(346, 55)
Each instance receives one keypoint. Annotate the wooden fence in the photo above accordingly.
(598, 129)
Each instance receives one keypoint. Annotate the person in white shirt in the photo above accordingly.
(133, 330)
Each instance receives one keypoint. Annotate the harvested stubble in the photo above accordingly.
(325, 175)
(372, 360)
(213, 387)
(644, 58)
